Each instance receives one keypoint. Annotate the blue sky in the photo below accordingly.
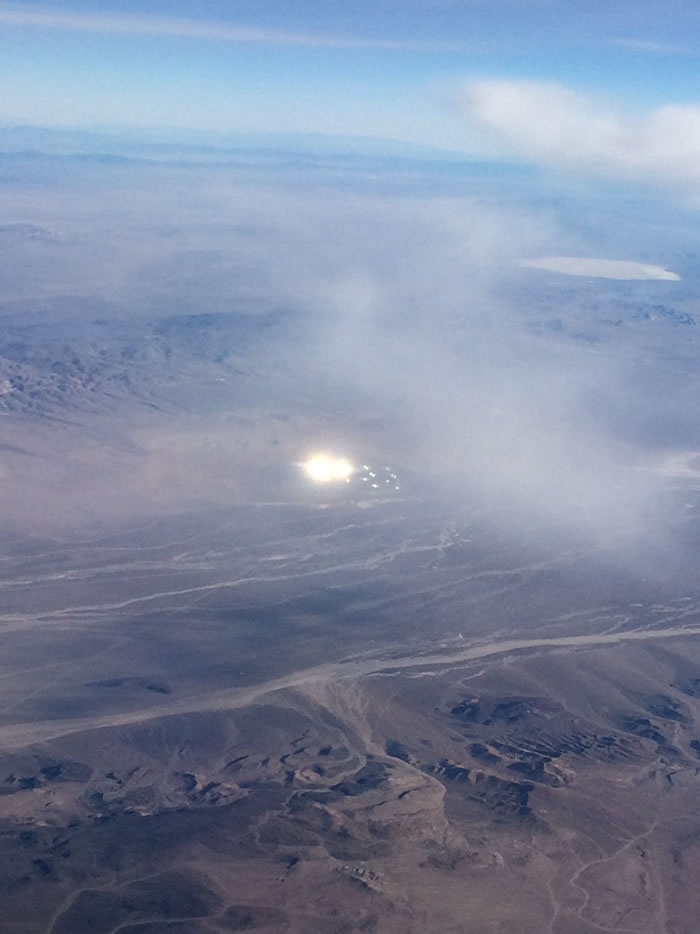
(388, 68)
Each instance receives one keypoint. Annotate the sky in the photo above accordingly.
(415, 70)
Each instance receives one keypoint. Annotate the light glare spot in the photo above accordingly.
(321, 468)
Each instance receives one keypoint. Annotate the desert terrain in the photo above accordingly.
(292, 724)
(458, 693)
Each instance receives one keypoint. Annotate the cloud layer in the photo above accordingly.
(410, 333)
(555, 125)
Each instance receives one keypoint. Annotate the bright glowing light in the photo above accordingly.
(321, 468)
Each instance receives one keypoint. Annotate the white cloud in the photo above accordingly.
(182, 27)
(556, 125)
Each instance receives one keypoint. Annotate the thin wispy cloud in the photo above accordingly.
(182, 27)
(651, 45)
